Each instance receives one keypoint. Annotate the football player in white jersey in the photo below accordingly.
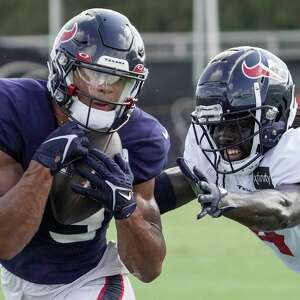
(241, 153)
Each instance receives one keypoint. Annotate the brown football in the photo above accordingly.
(67, 206)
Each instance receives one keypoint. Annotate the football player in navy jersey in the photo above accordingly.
(241, 153)
(96, 70)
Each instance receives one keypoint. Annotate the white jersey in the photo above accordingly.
(280, 165)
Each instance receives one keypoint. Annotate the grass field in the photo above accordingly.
(216, 259)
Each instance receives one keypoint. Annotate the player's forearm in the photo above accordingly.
(172, 190)
(141, 246)
(21, 209)
(261, 210)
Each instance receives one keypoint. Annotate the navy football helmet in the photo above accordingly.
(97, 49)
(244, 103)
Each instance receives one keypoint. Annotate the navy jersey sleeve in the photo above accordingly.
(148, 143)
(26, 117)
(149, 159)
(10, 134)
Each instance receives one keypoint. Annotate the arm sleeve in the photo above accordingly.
(149, 158)
(164, 193)
(10, 135)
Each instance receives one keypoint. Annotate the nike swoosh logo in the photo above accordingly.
(165, 134)
(126, 194)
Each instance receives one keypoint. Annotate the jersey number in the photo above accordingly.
(276, 239)
(81, 231)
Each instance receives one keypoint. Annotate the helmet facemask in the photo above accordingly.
(97, 97)
(234, 137)
(100, 99)
(234, 142)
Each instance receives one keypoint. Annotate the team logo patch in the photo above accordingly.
(260, 70)
(68, 35)
(262, 179)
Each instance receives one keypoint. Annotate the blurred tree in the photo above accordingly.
(23, 17)
(31, 16)
(259, 14)
(147, 15)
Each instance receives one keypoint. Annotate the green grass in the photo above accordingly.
(216, 259)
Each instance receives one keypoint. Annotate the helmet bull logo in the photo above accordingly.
(259, 70)
(68, 35)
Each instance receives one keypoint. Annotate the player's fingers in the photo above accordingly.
(88, 174)
(106, 160)
(205, 199)
(79, 190)
(206, 187)
(84, 141)
(202, 213)
(82, 150)
(87, 192)
(215, 212)
(97, 165)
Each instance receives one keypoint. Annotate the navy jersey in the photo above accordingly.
(61, 253)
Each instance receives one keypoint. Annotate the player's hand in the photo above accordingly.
(192, 178)
(210, 199)
(209, 195)
(194, 181)
(110, 183)
(64, 145)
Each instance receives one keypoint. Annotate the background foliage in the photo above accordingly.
(30, 16)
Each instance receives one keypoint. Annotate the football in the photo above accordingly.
(67, 206)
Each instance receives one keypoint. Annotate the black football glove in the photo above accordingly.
(209, 195)
(110, 183)
(64, 145)
(192, 178)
